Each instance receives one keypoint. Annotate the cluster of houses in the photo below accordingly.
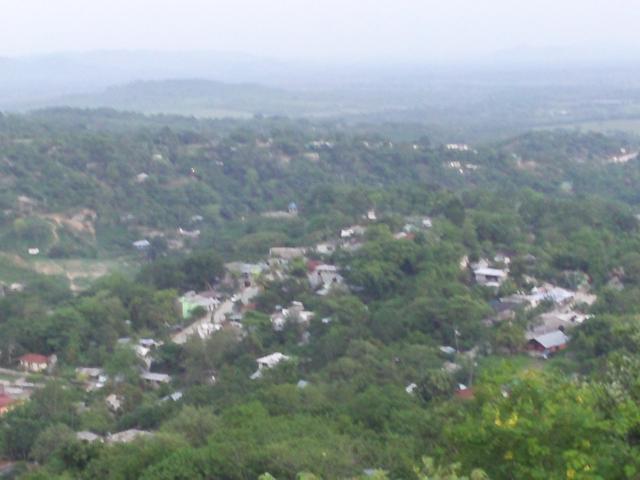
(16, 388)
(293, 314)
(548, 331)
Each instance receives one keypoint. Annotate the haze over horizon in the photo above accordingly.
(410, 31)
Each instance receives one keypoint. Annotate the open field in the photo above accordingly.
(79, 272)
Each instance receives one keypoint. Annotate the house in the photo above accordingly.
(268, 362)
(114, 402)
(141, 245)
(502, 258)
(6, 403)
(155, 380)
(353, 231)
(188, 233)
(209, 301)
(325, 248)
(411, 388)
(465, 393)
(490, 277)
(295, 312)
(142, 177)
(248, 272)
(150, 343)
(16, 287)
(459, 147)
(174, 397)
(550, 293)
(447, 350)
(128, 436)
(292, 209)
(322, 276)
(562, 319)
(34, 362)
(94, 378)
(371, 215)
(33, 251)
(549, 342)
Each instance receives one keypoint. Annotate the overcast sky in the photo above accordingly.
(345, 30)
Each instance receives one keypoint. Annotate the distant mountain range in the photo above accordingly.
(507, 96)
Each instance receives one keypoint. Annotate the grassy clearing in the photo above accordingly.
(80, 272)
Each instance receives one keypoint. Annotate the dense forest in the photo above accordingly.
(411, 364)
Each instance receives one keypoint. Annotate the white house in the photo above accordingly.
(324, 276)
(141, 244)
(295, 312)
(267, 362)
(270, 361)
(353, 231)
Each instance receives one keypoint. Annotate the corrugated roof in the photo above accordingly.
(553, 339)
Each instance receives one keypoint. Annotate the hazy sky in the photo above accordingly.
(320, 29)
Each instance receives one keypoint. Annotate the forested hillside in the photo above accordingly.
(309, 299)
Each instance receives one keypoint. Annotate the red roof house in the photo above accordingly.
(6, 403)
(34, 362)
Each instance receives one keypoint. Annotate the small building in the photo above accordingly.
(268, 362)
(465, 393)
(114, 402)
(141, 245)
(188, 233)
(33, 251)
(248, 272)
(490, 277)
(325, 248)
(322, 276)
(293, 208)
(209, 301)
(16, 287)
(295, 313)
(142, 177)
(155, 380)
(353, 231)
(549, 342)
(34, 362)
(6, 403)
